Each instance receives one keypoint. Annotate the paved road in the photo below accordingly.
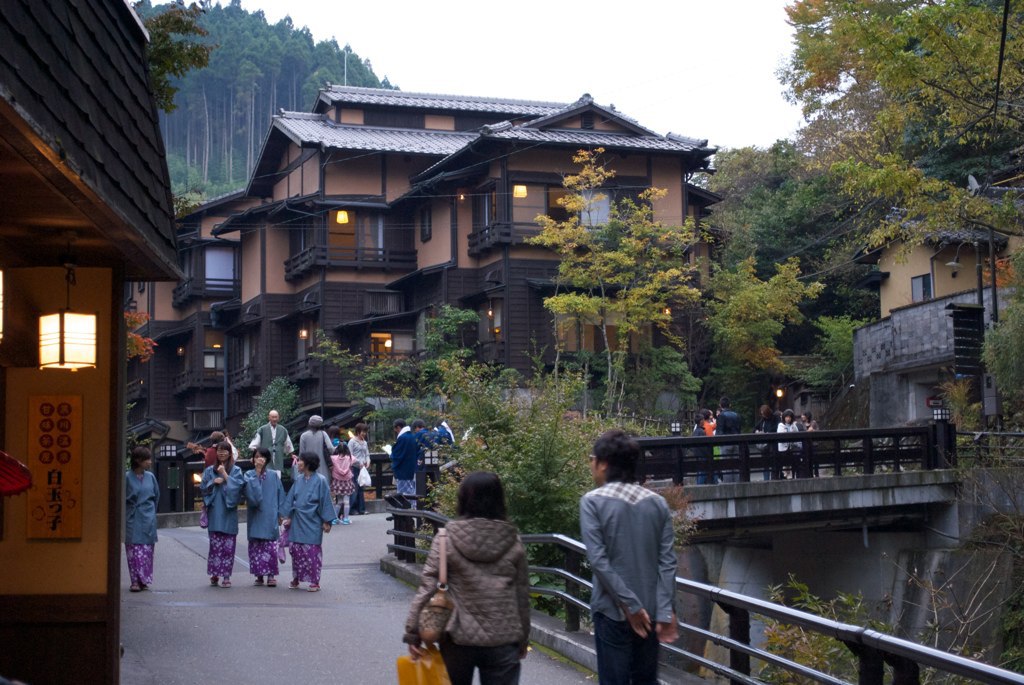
(185, 631)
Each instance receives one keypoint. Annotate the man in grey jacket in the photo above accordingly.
(628, 533)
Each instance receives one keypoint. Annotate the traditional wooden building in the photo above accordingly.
(85, 207)
(366, 214)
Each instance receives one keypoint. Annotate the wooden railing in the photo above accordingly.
(386, 258)
(802, 455)
(483, 238)
(874, 650)
(192, 288)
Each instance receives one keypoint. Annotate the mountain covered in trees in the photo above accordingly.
(222, 111)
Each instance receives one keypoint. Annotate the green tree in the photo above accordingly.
(396, 386)
(746, 317)
(174, 48)
(901, 99)
(1003, 353)
(835, 347)
(624, 275)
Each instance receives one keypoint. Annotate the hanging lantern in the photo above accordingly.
(67, 340)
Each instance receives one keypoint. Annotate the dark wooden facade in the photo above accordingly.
(85, 180)
(368, 213)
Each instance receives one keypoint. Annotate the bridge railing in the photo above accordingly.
(807, 454)
(874, 650)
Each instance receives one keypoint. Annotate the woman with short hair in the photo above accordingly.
(141, 494)
(489, 629)
(307, 513)
(221, 488)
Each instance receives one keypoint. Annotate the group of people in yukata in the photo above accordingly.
(276, 521)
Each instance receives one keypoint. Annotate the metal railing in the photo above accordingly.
(984, 448)
(874, 650)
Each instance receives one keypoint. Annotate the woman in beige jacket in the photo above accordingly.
(487, 579)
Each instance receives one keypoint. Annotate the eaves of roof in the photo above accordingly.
(321, 131)
(586, 103)
(458, 103)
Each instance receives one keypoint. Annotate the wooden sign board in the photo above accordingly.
(54, 456)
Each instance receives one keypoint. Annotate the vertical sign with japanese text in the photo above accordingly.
(55, 459)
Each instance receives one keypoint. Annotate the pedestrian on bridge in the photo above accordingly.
(221, 488)
(308, 513)
(264, 496)
(629, 537)
(141, 496)
(489, 628)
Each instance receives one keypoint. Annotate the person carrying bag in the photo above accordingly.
(484, 564)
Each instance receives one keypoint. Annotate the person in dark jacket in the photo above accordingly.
(404, 455)
(489, 629)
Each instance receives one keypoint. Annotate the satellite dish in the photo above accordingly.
(972, 184)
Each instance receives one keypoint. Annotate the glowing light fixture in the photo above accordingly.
(387, 343)
(341, 217)
(519, 190)
(668, 311)
(181, 350)
(67, 340)
(779, 392)
(303, 334)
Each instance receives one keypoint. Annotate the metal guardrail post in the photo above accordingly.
(573, 564)
(870, 664)
(739, 630)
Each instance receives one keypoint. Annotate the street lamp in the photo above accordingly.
(941, 413)
(675, 427)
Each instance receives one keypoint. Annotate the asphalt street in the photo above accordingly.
(185, 631)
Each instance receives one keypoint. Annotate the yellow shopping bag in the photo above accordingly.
(427, 670)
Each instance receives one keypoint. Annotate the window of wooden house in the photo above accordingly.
(381, 345)
(491, 321)
(300, 236)
(369, 234)
(205, 419)
(554, 209)
(220, 263)
(485, 208)
(304, 336)
(921, 288)
(528, 200)
(426, 227)
(213, 351)
(167, 450)
(341, 230)
(598, 205)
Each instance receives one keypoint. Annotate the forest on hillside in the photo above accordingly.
(222, 113)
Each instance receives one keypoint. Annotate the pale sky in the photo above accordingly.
(699, 68)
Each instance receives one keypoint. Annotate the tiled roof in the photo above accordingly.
(463, 103)
(595, 139)
(306, 128)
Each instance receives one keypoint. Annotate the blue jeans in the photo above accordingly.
(623, 657)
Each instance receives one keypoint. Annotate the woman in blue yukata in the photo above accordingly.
(308, 513)
(264, 496)
(141, 497)
(221, 488)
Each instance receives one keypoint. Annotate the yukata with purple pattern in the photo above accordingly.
(308, 506)
(141, 497)
(264, 497)
(222, 511)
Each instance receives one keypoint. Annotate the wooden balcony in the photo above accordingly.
(208, 288)
(484, 238)
(382, 258)
(244, 377)
(302, 369)
(193, 380)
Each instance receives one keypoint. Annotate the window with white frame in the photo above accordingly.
(921, 288)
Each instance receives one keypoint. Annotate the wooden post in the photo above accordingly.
(572, 612)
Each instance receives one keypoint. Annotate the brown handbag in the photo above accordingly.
(435, 614)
